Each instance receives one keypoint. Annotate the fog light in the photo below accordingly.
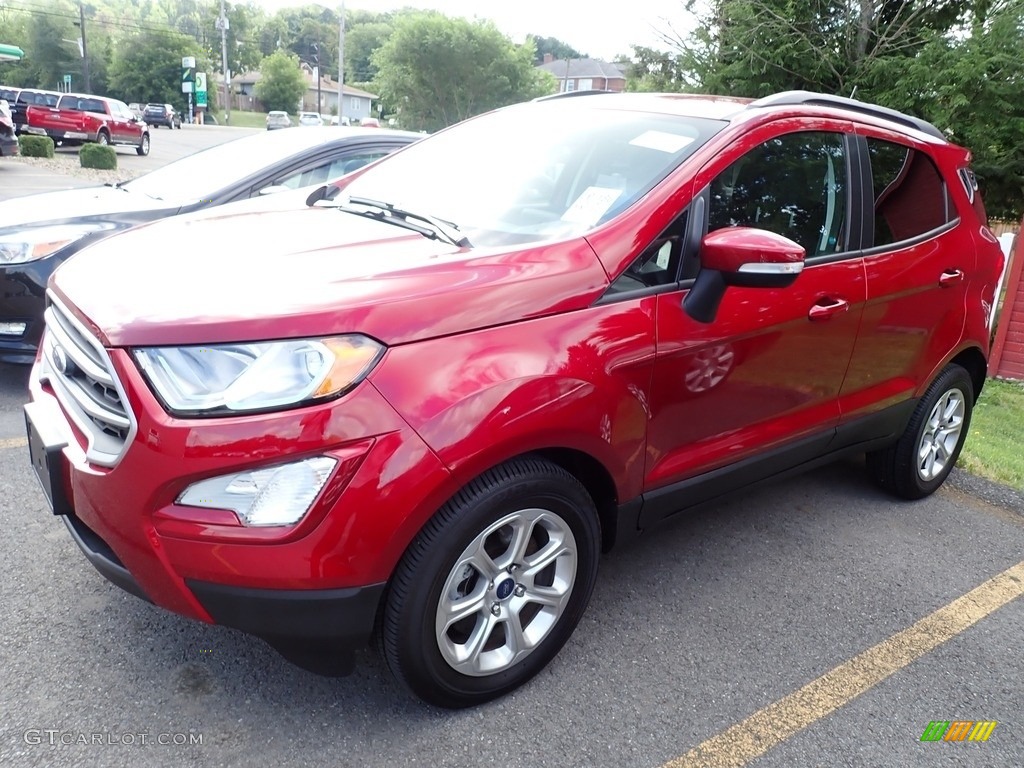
(279, 495)
(12, 329)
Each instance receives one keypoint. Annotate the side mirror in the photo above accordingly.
(745, 257)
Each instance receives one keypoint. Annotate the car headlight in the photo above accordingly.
(233, 378)
(32, 244)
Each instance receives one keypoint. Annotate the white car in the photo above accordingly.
(310, 118)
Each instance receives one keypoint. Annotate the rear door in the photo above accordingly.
(763, 379)
(917, 272)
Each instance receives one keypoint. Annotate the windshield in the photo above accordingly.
(527, 174)
(204, 174)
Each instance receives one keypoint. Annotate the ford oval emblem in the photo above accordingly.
(60, 360)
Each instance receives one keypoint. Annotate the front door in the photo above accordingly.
(766, 374)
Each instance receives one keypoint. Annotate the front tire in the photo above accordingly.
(493, 586)
(143, 148)
(922, 458)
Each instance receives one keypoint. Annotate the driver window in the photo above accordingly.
(794, 185)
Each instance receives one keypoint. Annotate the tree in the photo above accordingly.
(758, 47)
(147, 67)
(657, 71)
(361, 42)
(439, 70)
(969, 85)
(557, 48)
(281, 84)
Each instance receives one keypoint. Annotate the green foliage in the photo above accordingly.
(360, 44)
(281, 82)
(97, 156)
(992, 448)
(557, 48)
(657, 72)
(442, 70)
(147, 67)
(35, 146)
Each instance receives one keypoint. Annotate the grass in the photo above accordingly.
(993, 447)
(244, 119)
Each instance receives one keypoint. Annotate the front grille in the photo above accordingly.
(78, 368)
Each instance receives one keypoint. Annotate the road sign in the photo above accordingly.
(188, 62)
(200, 89)
(186, 87)
(67, 80)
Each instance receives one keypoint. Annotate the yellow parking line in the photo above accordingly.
(738, 745)
(13, 442)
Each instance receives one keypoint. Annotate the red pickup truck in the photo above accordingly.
(78, 118)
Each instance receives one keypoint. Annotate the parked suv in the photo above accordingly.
(470, 377)
(161, 114)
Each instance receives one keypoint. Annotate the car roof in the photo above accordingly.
(735, 109)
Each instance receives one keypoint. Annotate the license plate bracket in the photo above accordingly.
(46, 451)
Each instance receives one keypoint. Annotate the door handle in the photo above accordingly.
(951, 277)
(826, 308)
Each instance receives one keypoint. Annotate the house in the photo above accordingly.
(357, 103)
(585, 74)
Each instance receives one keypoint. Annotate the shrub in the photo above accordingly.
(35, 146)
(98, 156)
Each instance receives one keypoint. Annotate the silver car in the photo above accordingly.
(278, 119)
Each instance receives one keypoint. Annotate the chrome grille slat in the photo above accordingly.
(84, 382)
(71, 340)
(68, 344)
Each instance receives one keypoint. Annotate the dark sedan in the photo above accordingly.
(40, 232)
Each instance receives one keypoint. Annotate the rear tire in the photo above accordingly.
(922, 458)
(103, 138)
(493, 585)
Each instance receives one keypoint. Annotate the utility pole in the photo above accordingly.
(85, 53)
(341, 60)
(316, 65)
(222, 24)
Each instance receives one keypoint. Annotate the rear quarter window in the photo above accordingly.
(910, 197)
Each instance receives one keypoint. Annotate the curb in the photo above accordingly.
(988, 490)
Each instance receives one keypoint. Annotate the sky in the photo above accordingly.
(602, 30)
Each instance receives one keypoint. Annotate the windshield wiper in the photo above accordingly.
(435, 229)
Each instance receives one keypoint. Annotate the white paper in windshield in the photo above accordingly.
(591, 205)
(662, 141)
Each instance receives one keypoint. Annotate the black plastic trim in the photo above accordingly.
(867, 433)
(102, 557)
(341, 617)
(912, 241)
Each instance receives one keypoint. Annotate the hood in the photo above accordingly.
(73, 204)
(311, 272)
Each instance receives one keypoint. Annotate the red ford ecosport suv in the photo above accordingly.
(421, 406)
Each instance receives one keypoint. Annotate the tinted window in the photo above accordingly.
(794, 185)
(910, 197)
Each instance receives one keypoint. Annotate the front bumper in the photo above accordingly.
(311, 590)
(314, 628)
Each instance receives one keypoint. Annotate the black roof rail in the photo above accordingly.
(841, 102)
(570, 94)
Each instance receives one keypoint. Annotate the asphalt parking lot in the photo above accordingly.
(812, 622)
